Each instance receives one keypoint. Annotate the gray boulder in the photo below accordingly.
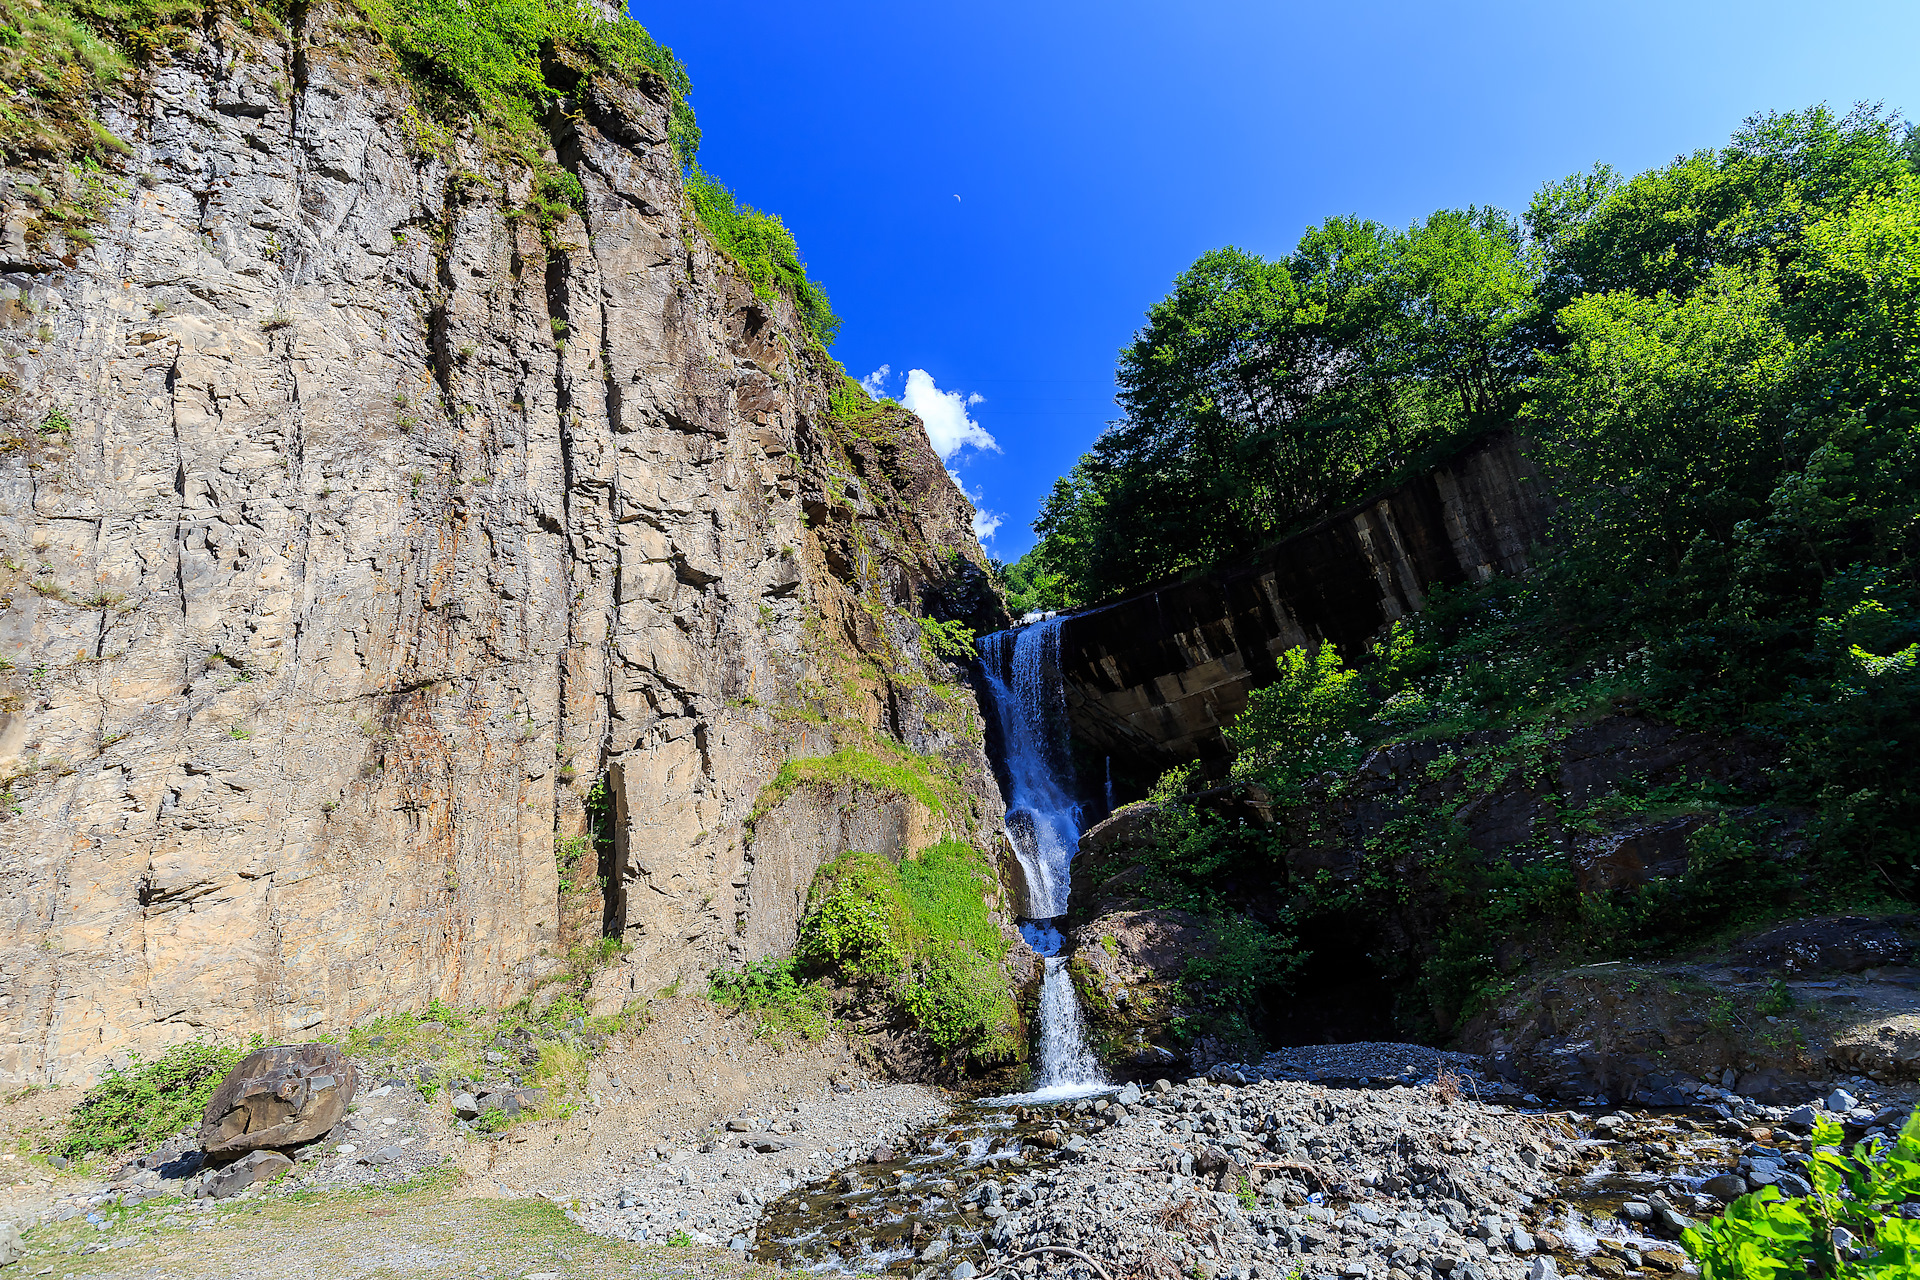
(279, 1097)
(1728, 1186)
(255, 1166)
(12, 1247)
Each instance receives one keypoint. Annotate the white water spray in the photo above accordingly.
(1043, 822)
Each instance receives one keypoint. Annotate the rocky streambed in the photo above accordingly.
(1392, 1162)
(1264, 1178)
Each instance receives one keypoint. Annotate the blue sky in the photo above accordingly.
(1097, 149)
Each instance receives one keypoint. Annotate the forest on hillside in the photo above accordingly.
(1718, 364)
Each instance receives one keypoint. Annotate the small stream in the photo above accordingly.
(875, 1217)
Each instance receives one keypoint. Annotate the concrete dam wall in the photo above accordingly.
(1152, 679)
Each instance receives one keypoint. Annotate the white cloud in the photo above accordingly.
(985, 522)
(945, 413)
(876, 382)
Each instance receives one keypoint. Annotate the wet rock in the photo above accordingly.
(278, 1097)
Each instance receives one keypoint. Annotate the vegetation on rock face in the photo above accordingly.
(145, 1103)
(765, 250)
(1716, 359)
(899, 772)
(918, 933)
(501, 67)
(784, 1004)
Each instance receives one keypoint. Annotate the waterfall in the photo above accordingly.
(1043, 822)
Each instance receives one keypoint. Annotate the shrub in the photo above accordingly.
(765, 250)
(1302, 724)
(771, 989)
(145, 1103)
(1767, 1235)
(855, 919)
(919, 930)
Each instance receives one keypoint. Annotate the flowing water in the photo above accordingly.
(1043, 821)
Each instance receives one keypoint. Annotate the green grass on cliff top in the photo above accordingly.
(500, 67)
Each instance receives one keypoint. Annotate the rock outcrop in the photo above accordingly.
(355, 527)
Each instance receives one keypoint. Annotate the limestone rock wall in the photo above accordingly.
(352, 525)
(1154, 678)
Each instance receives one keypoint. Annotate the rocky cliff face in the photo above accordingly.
(354, 527)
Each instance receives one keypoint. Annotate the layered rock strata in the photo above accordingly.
(355, 527)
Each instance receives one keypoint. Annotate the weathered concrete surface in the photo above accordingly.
(388, 524)
(1155, 677)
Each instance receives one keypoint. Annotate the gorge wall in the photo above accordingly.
(1154, 678)
(353, 525)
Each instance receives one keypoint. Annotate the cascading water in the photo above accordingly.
(1043, 822)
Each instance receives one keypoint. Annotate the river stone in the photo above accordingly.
(1543, 1268)
(12, 1248)
(278, 1097)
(1728, 1186)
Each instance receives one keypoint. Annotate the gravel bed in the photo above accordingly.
(714, 1190)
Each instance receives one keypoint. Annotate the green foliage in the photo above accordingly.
(1721, 385)
(765, 251)
(952, 639)
(1247, 962)
(784, 1005)
(501, 63)
(848, 403)
(1031, 585)
(679, 1240)
(145, 1103)
(1766, 1235)
(920, 931)
(856, 922)
(1262, 395)
(1302, 724)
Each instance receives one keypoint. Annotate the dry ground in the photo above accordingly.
(426, 1231)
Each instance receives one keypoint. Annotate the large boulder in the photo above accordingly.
(278, 1097)
(1835, 944)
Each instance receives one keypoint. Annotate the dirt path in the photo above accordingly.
(428, 1231)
